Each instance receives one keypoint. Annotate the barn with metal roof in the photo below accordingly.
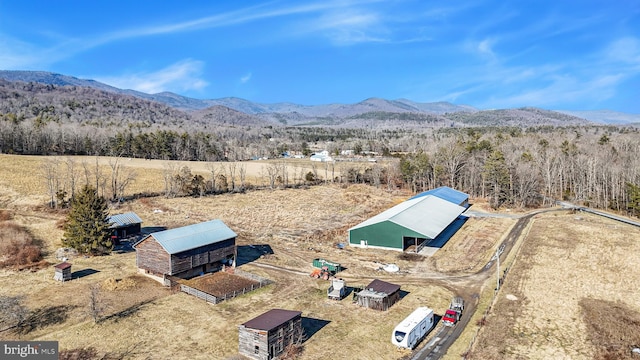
(410, 224)
(449, 194)
(187, 251)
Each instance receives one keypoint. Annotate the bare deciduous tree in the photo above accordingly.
(13, 312)
(121, 177)
(96, 305)
(52, 178)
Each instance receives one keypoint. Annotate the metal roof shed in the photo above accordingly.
(123, 225)
(419, 218)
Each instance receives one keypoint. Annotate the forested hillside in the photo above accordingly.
(515, 157)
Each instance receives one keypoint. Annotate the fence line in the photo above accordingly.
(230, 295)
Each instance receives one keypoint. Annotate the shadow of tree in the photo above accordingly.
(91, 353)
(44, 317)
(126, 312)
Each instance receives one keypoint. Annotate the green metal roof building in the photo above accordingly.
(412, 223)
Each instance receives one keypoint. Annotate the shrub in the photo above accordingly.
(18, 248)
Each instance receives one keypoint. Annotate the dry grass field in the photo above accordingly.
(572, 293)
(143, 320)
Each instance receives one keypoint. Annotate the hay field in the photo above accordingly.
(147, 321)
(25, 174)
(570, 269)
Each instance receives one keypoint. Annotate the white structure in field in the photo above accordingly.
(413, 328)
(322, 156)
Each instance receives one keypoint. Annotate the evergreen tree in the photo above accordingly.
(87, 227)
(633, 192)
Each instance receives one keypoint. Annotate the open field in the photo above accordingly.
(571, 293)
(287, 229)
(24, 174)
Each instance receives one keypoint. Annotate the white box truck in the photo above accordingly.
(413, 328)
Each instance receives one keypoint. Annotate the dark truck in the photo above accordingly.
(452, 315)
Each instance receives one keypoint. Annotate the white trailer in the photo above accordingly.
(413, 328)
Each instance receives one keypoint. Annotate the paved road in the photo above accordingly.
(445, 336)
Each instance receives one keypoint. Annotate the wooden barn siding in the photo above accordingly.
(247, 341)
(291, 332)
(378, 303)
(208, 254)
(271, 343)
(152, 257)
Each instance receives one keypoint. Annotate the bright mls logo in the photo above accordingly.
(37, 350)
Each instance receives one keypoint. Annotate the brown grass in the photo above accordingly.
(147, 320)
(113, 284)
(18, 249)
(564, 259)
(612, 327)
(470, 249)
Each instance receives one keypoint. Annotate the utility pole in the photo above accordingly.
(498, 269)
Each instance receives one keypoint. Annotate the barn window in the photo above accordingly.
(256, 350)
(256, 336)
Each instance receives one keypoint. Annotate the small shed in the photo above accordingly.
(124, 225)
(267, 336)
(379, 295)
(62, 272)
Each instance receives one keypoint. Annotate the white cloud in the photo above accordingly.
(181, 76)
(485, 47)
(562, 89)
(237, 17)
(244, 79)
(347, 26)
(625, 50)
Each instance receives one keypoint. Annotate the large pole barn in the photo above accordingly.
(412, 223)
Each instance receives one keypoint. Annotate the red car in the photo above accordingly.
(452, 315)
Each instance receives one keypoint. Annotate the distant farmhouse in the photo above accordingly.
(322, 156)
(413, 223)
(124, 225)
(268, 335)
(187, 251)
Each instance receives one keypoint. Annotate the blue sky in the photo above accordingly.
(569, 54)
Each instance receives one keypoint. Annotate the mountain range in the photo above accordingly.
(234, 110)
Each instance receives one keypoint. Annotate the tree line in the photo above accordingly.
(511, 166)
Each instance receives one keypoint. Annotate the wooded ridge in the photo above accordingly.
(514, 157)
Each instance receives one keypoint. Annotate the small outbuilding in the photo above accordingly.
(124, 225)
(267, 336)
(187, 251)
(379, 295)
(62, 272)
